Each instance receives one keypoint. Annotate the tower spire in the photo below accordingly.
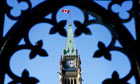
(70, 48)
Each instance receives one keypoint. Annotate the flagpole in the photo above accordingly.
(69, 16)
(70, 23)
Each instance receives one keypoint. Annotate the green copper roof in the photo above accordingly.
(70, 48)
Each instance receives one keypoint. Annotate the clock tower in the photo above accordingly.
(70, 70)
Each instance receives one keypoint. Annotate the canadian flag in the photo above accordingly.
(65, 11)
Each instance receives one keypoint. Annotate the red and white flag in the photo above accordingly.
(65, 11)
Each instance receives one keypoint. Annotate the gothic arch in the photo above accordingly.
(9, 43)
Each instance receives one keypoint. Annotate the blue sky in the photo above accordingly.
(95, 70)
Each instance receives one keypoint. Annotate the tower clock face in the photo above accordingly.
(70, 63)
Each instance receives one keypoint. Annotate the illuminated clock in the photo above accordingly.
(70, 63)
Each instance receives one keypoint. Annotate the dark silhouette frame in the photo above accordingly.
(32, 16)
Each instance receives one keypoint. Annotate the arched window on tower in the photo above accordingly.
(74, 81)
(68, 81)
(65, 81)
(71, 81)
